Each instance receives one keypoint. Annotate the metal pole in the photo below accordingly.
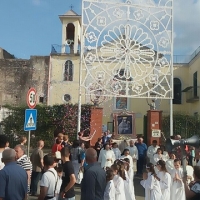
(80, 78)
(171, 117)
(29, 138)
(172, 75)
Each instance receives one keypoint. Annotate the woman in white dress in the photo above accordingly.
(151, 184)
(177, 189)
(170, 163)
(164, 179)
(118, 180)
(106, 157)
(109, 193)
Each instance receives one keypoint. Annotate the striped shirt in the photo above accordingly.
(26, 164)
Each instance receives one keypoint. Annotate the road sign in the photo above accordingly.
(31, 98)
(30, 120)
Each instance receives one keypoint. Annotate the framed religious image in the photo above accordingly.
(120, 103)
(124, 124)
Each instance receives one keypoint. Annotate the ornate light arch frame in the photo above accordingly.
(134, 35)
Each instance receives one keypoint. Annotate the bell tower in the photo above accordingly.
(71, 32)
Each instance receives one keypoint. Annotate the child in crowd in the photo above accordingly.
(170, 163)
(65, 142)
(23, 140)
(164, 179)
(119, 177)
(128, 183)
(177, 189)
(151, 184)
(129, 170)
(59, 181)
(109, 193)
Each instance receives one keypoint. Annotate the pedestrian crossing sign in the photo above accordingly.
(30, 120)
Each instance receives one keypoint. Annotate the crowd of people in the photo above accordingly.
(103, 172)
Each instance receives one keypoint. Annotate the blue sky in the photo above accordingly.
(30, 27)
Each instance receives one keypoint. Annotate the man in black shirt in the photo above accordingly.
(67, 187)
(94, 178)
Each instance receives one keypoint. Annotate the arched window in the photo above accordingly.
(177, 91)
(70, 30)
(68, 74)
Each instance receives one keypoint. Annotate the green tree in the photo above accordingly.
(49, 118)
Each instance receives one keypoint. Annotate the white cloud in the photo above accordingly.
(186, 26)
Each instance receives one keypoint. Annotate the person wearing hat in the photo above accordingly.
(13, 184)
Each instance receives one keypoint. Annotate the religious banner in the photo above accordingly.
(127, 45)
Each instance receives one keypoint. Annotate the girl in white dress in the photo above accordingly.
(129, 180)
(106, 157)
(109, 193)
(177, 189)
(129, 169)
(151, 184)
(164, 179)
(119, 177)
(126, 154)
(170, 163)
(158, 156)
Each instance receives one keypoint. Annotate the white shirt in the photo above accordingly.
(170, 165)
(151, 151)
(119, 188)
(1, 163)
(117, 153)
(165, 184)
(104, 155)
(152, 188)
(133, 151)
(109, 193)
(58, 186)
(48, 180)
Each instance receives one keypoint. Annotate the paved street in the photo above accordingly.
(139, 191)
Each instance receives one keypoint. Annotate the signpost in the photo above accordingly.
(31, 98)
(30, 115)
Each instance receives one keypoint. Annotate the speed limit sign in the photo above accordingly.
(31, 98)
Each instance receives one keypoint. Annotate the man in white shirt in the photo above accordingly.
(49, 179)
(3, 141)
(116, 150)
(152, 150)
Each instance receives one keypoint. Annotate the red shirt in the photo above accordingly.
(56, 147)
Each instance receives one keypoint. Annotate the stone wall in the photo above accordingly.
(18, 75)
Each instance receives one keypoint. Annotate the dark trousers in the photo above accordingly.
(140, 164)
(35, 177)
